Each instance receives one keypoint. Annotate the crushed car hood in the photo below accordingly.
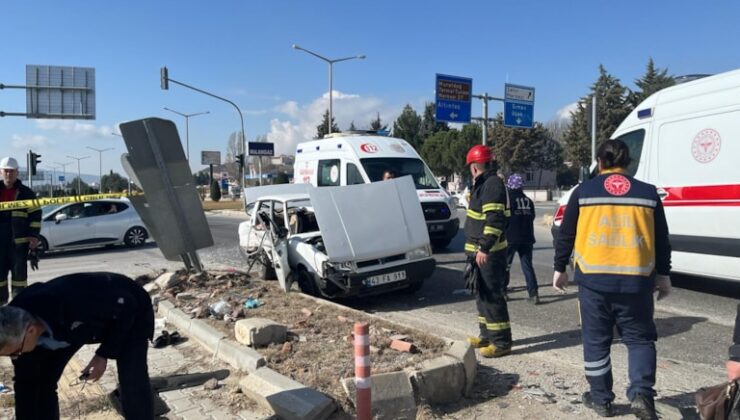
(366, 221)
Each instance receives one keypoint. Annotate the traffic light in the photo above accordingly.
(34, 161)
(240, 159)
(164, 78)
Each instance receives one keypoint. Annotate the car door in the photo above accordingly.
(77, 228)
(111, 219)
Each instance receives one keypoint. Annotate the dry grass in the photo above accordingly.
(223, 205)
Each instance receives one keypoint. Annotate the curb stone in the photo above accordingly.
(240, 357)
(286, 397)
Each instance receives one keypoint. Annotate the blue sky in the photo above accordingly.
(242, 50)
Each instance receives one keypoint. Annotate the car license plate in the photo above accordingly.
(385, 278)
(436, 228)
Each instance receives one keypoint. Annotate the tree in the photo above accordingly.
(201, 177)
(215, 191)
(652, 81)
(113, 182)
(377, 124)
(437, 152)
(352, 126)
(323, 128)
(611, 109)
(429, 124)
(408, 127)
(84, 187)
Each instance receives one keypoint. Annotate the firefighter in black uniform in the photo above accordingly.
(485, 246)
(19, 230)
(45, 325)
(616, 229)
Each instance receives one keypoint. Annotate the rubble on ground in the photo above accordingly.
(317, 349)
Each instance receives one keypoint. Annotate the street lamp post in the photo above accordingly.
(331, 75)
(100, 168)
(79, 176)
(64, 171)
(187, 126)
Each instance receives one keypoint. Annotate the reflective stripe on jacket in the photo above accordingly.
(25, 222)
(487, 215)
(616, 228)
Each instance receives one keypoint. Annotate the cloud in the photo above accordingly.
(74, 127)
(301, 120)
(564, 112)
(18, 141)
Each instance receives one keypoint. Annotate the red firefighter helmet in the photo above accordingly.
(479, 154)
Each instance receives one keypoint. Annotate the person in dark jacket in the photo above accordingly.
(615, 227)
(19, 230)
(485, 247)
(733, 364)
(45, 325)
(520, 236)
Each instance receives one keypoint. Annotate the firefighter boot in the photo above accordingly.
(493, 351)
(477, 342)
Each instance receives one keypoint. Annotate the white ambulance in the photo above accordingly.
(362, 157)
(686, 140)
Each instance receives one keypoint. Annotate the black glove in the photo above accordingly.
(33, 258)
(471, 274)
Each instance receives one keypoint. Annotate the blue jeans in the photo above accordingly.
(632, 313)
(525, 258)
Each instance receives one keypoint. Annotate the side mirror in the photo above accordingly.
(59, 217)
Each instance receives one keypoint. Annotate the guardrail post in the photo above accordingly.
(362, 371)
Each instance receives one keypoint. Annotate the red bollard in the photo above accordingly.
(362, 371)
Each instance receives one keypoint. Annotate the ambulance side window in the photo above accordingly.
(328, 175)
(353, 175)
(634, 141)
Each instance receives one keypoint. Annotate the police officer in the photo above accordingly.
(45, 325)
(485, 245)
(19, 230)
(616, 229)
(520, 236)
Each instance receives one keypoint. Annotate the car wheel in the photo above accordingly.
(136, 236)
(307, 283)
(42, 247)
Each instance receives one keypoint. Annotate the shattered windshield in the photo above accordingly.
(422, 176)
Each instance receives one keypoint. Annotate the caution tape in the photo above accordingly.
(55, 201)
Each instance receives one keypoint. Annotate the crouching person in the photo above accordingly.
(45, 325)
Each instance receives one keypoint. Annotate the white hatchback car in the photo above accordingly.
(92, 223)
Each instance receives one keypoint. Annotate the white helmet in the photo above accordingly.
(8, 163)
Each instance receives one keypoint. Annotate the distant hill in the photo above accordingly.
(43, 176)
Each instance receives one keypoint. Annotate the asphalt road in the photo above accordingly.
(694, 323)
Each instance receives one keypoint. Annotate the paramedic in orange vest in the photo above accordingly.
(485, 246)
(615, 227)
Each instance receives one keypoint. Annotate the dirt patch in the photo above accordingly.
(226, 204)
(320, 348)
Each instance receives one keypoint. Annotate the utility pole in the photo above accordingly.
(79, 176)
(485, 98)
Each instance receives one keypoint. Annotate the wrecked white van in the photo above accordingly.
(339, 241)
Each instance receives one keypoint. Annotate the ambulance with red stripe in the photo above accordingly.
(359, 157)
(685, 140)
